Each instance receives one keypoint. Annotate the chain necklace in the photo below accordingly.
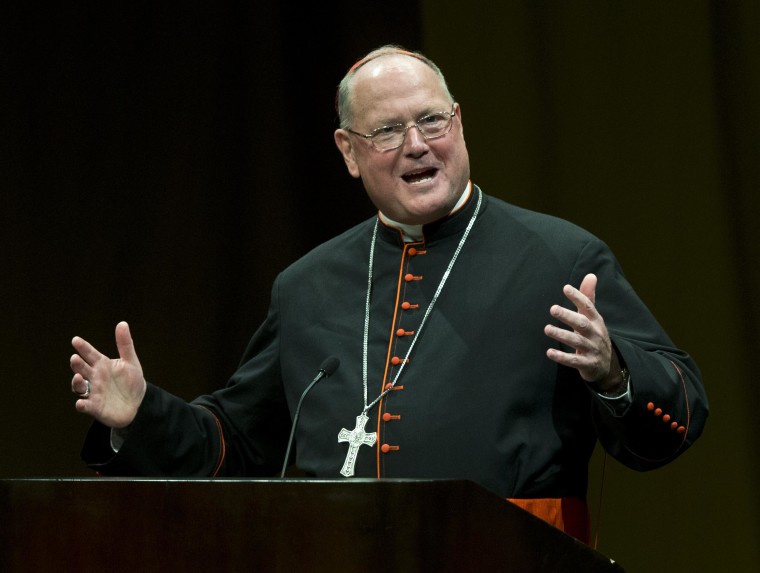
(358, 436)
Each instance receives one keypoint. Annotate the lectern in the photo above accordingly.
(293, 525)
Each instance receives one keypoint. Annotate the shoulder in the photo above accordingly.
(518, 224)
(351, 245)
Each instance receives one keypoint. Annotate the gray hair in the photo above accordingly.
(343, 96)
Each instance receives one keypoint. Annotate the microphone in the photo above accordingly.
(329, 366)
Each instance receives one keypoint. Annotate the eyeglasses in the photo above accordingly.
(392, 136)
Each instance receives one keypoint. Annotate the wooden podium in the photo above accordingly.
(293, 525)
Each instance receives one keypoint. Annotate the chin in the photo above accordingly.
(433, 207)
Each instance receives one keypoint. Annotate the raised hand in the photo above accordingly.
(594, 357)
(110, 390)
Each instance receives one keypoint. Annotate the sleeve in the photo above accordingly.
(168, 438)
(239, 430)
(668, 406)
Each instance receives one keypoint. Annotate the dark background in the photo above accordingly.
(160, 164)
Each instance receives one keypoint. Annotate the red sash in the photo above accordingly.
(569, 514)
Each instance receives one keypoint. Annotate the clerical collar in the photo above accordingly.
(413, 233)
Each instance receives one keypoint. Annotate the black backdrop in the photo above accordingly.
(163, 164)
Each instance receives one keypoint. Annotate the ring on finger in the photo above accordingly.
(86, 393)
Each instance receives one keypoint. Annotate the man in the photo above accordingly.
(437, 310)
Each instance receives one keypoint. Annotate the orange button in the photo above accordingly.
(388, 386)
(412, 252)
(385, 448)
(395, 360)
(666, 418)
(405, 305)
(400, 332)
(673, 425)
(387, 417)
(409, 277)
(650, 406)
(658, 412)
(681, 429)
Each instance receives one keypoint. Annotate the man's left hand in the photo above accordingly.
(594, 358)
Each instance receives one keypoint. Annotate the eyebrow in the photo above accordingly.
(427, 111)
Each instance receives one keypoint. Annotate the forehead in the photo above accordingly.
(396, 85)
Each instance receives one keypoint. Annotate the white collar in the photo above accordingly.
(413, 233)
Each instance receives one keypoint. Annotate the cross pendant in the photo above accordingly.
(355, 438)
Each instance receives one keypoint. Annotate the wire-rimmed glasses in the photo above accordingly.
(431, 126)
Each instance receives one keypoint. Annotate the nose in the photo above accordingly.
(415, 141)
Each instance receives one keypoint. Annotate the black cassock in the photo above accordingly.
(478, 399)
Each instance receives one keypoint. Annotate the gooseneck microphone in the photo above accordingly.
(329, 366)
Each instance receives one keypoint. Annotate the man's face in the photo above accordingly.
(422, 180)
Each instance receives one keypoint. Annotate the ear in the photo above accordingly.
(458, 111)
(346, 148)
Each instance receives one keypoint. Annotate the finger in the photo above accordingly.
(86, 350)
(588, 287)
(568, 338)
(574, 320)
(570, 359)
(585, 366)
(78, 384)
(79, 366)
(582, 302)
(85, 406)
(124, 343)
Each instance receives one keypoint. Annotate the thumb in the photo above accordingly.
(124, 343)
(588, 287)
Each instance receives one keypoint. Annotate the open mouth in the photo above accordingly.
(421, 176)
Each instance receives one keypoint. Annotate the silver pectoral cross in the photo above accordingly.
(355, 438)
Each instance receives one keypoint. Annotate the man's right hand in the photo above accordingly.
(116, 386)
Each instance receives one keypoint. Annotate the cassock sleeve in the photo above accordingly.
(669, 405)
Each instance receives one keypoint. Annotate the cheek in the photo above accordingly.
(376, 168)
